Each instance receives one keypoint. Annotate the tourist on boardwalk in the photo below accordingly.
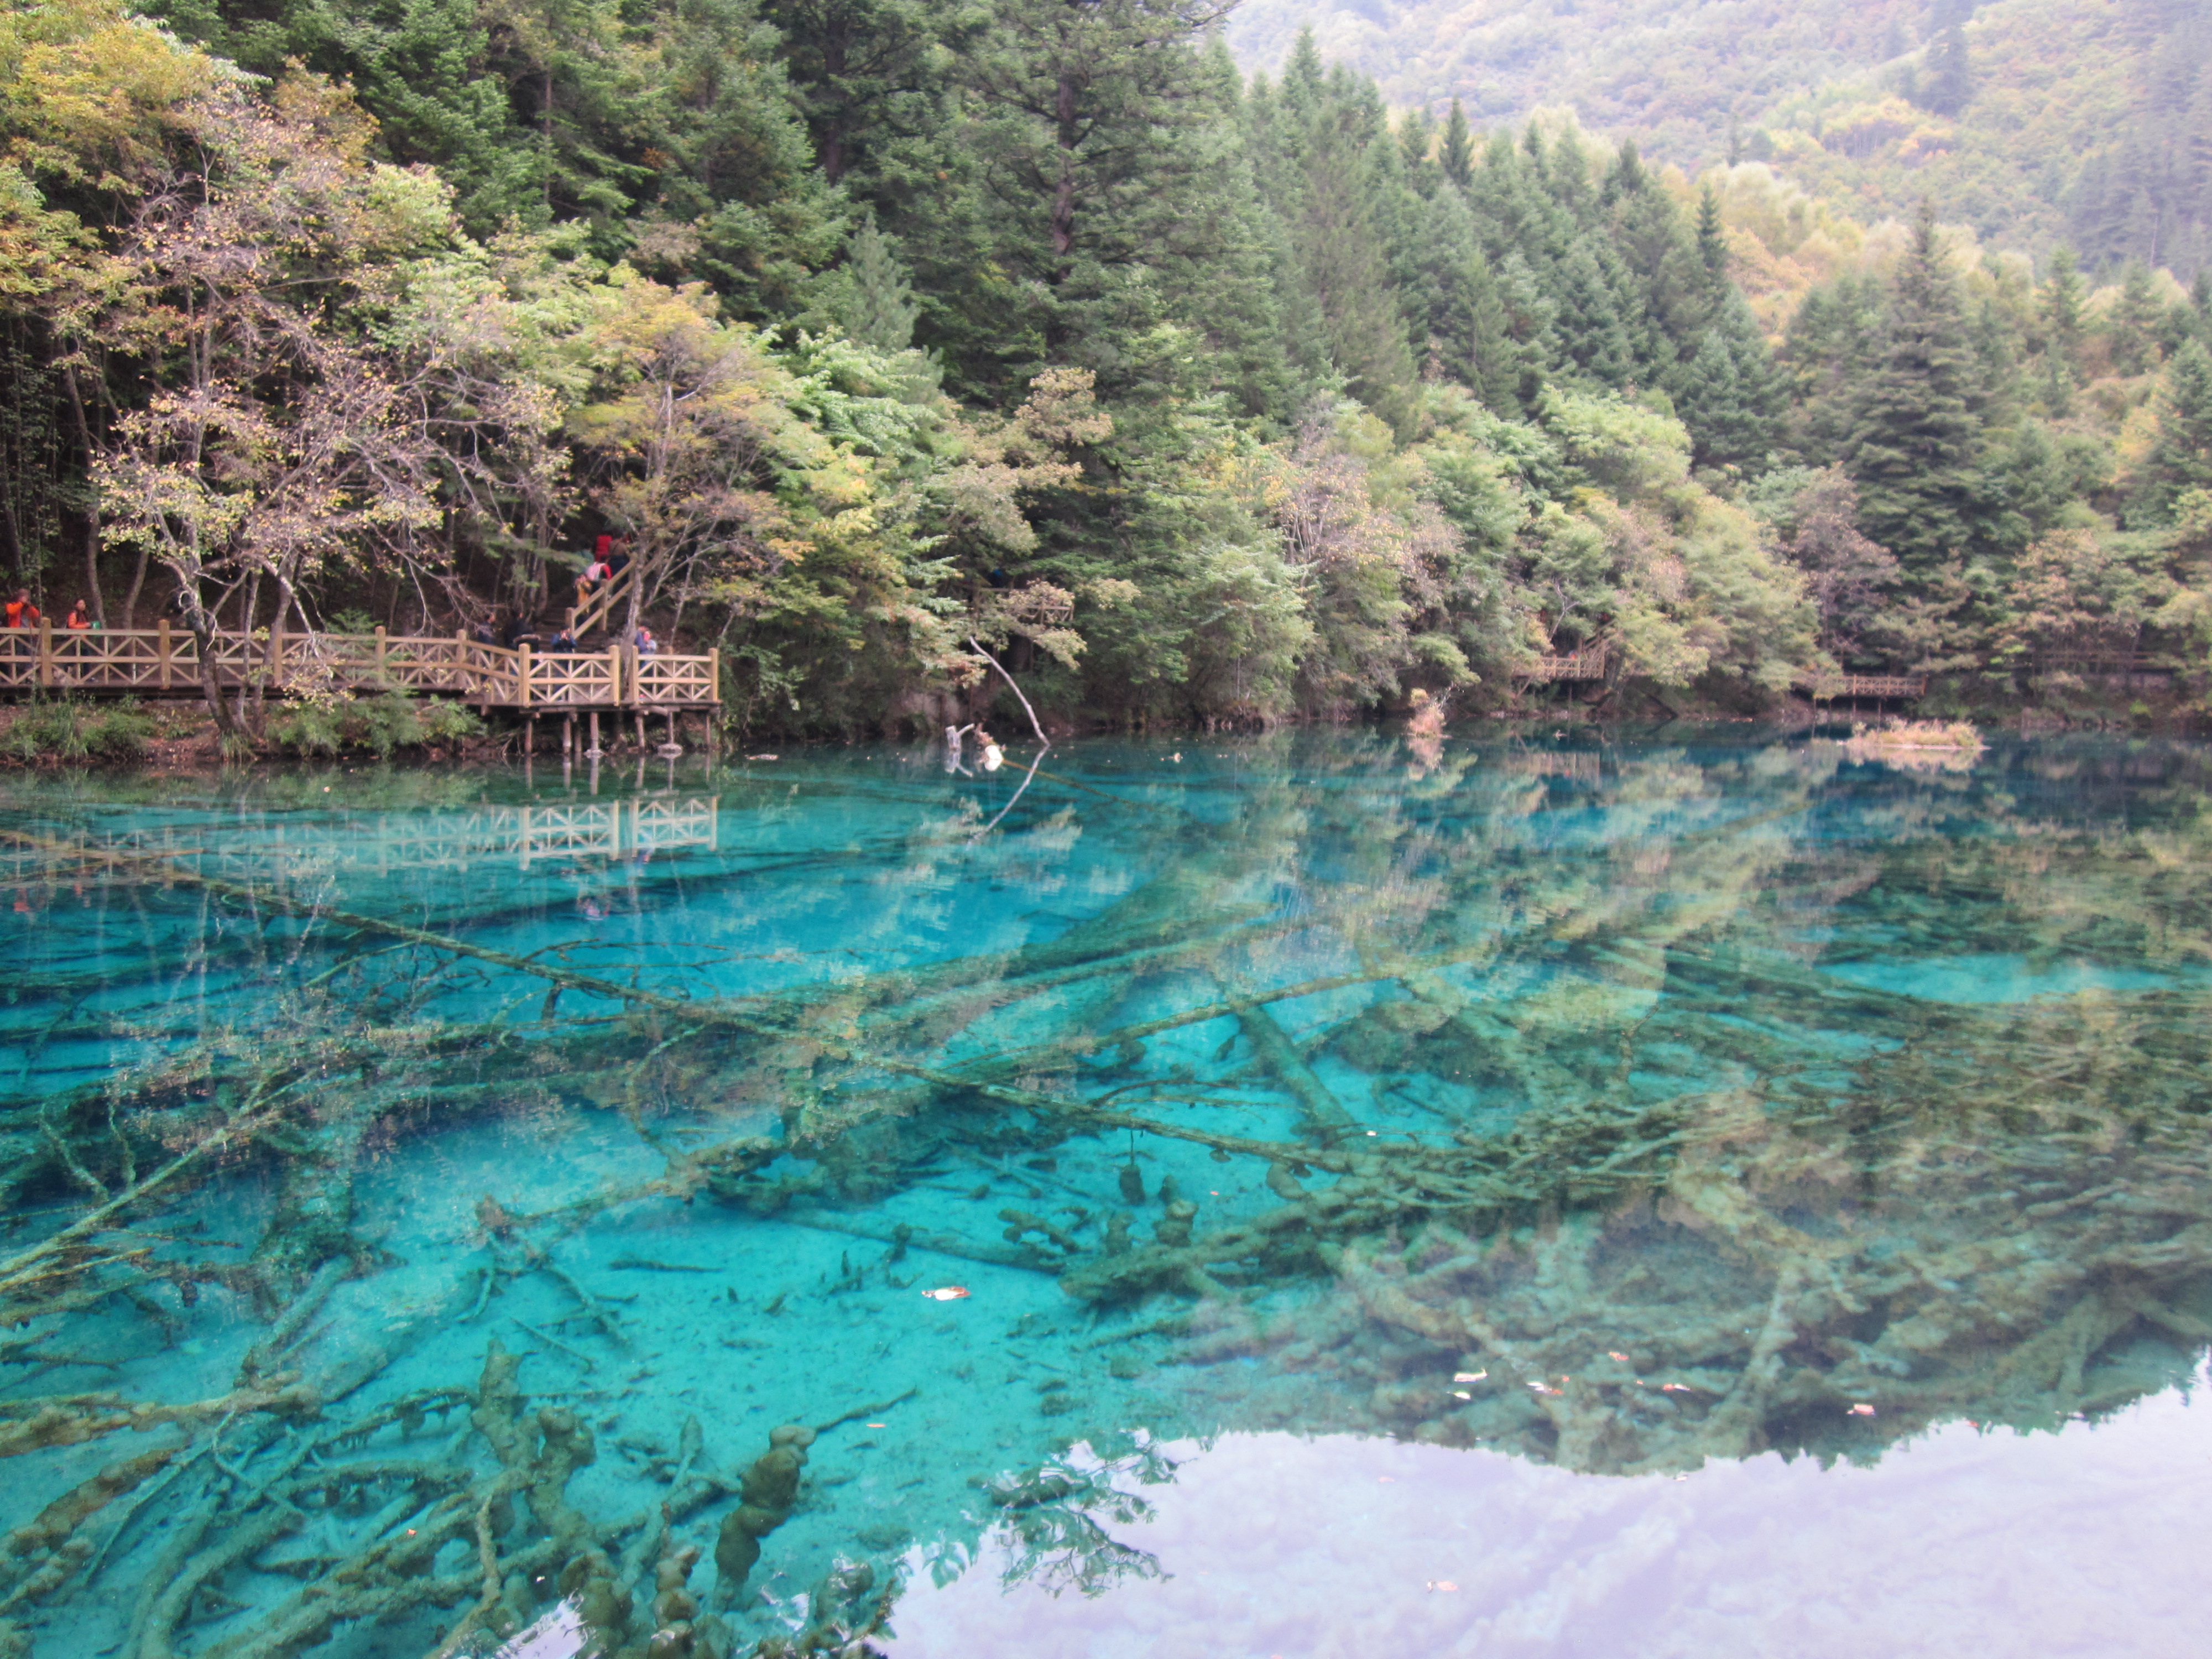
(647, 645)
(20, 614)
(594, 573)
(79, 622)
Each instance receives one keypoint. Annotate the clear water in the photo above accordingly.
(1306, 1196)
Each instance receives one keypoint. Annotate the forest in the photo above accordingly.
(887, 332)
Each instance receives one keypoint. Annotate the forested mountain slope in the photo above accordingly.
(888, 333)
(1670, 72)
(2039, 122)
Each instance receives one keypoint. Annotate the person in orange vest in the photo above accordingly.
(21, 613)
(80, 619)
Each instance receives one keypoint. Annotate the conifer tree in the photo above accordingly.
(1340, 257)
(1417, 136)
(1948, 86)
(1730, 394)
(2060, 308)
(1089, 137)
(877, 303)
(2181, 460)
(861, 72)
(1712, 239)
(1456, 155)
(2135, 321)
(1917, 422)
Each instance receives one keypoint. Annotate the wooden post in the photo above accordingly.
(715, 676)
(277, 647)
(594, 751)
(522, 675)
(568, 737)
(614, 678)
(380, 652)
(461, 660)
(161, 645)
(46, 651)
(641, 731)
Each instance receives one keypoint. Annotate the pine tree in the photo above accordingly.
(1488, 359)
(1949, 85)
(2181, 460)
(877, 303)
(1094, 124)
(1456, 155)
(2062, 309)
(858, 69)
(1341, 258)
(1730, 394)
(1596, 337)
(1917, 422)
(1417, 136)
(1712, 239)
(2135, 321)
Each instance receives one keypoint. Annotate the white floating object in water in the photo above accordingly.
(948, 1293)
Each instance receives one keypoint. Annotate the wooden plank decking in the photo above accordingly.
(165, 661)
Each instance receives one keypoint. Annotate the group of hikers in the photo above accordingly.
(21, 612)
(513, 630)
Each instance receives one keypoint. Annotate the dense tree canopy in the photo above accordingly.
(881, 329)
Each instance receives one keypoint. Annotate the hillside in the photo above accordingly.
(2040, 123)
(1671, 72)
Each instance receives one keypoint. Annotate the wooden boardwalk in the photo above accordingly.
(1589, 664)
(165, 661)
(1874, 688)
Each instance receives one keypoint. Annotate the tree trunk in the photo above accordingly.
(92, 499)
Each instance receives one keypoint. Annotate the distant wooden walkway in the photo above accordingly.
(1874, 688)
(165, 661)
(1589, 664)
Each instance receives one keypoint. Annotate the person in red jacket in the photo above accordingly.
(20, 614)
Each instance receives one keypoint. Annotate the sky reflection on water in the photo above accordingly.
(2086, 1541)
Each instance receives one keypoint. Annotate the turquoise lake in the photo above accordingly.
(1698, 1193)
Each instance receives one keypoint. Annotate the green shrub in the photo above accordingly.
(307, 728)
(69, 730)
(381, 722)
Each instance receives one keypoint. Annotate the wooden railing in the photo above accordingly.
(154, 660)
(1831, 688)
(606, 599)
(1588, 663)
